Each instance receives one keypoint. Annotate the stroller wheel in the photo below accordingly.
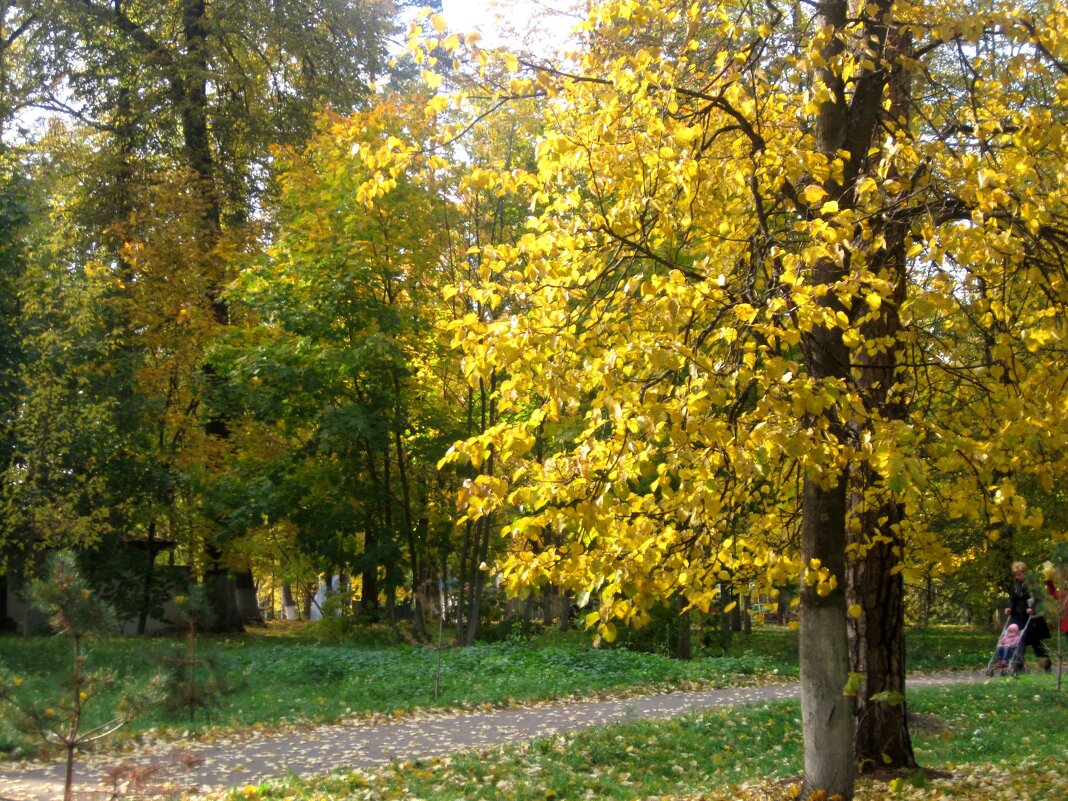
(989, 671)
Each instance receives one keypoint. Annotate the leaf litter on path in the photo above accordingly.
(252, 757)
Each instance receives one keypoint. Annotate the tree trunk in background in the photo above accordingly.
(563, 610)
(6, 623)
(146, 587)
(369, 574)
(288, 602)
(477, 535)
(477, 578)
(391, 612)
(222, 590)
(248, 607)
(548, 605)
(684, 631)
(461, 583)
(190, 91)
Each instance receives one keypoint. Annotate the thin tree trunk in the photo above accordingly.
(414, 534)
(391, 612)
(461, 588)
(684, 633)
(146, 589)
(478, 578)
(484, 526)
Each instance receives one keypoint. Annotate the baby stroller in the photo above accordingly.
(1011, 663)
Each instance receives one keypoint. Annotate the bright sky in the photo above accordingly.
(493, 18)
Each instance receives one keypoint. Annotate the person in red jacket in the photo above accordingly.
(1052, 589)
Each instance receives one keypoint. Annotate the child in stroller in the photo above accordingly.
(1008, 655)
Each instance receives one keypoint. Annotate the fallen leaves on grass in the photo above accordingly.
(1040, 779)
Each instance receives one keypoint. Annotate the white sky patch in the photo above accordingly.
(536, 24)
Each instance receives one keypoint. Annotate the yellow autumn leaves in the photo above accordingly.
(647, 321)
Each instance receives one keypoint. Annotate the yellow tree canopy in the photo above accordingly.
(657, 416)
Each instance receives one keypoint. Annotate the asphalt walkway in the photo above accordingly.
(193, 767)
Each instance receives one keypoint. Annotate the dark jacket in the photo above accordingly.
(1020, 600)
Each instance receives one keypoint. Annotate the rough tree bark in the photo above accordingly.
(877, 637)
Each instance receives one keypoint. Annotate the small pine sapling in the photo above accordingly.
(189, 687)
(74, 612)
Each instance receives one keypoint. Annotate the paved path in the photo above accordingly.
(248, 759)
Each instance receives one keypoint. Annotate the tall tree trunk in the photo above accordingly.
(826, 712)
(478, 535)
(846, 126)
(877, 637)
(190, 88)
(415, 532)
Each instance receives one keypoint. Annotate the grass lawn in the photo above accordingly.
(1006, 738)
(281, 675)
